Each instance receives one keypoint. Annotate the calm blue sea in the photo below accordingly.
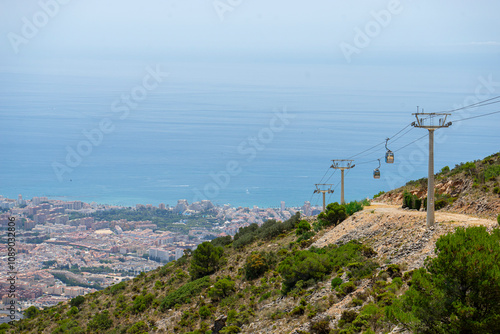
(203, 118)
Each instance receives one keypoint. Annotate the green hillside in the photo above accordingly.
(472, 187)
(269, 279)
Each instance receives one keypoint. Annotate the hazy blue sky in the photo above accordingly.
(257, 29)
(63, 63)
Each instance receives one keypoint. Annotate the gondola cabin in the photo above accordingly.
(376, 174)
(389, 157)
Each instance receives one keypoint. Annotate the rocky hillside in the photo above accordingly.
(471, 188)
(272, 279)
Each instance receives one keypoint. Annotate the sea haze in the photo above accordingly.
(204, 116)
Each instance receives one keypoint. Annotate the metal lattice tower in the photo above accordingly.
(342, 164)
(427, 121)
(323, 191)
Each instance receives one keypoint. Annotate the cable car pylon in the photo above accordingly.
(427, 122)
(324, 191)
(342, 164)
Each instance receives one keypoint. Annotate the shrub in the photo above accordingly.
(321, 326)
(73, 310)
(355, 206)
(379, 194)
(347, 288)
(303, 227)
(114, 289)
(492, 172)
(334, 215)
(100, 322)
(303, 239)
(411, 201)
(31, 311)
(230, 330)
(77, 301)
(138, 328)
(336, 282)
(457, 291)
(394, 270)
(183, 294)
(363, 269)
(222, 241)
(445, 170)
(142, 303)
(204, 312)
(68, 326)
(205, 260)
(222, 289)
(255, 266)
(496, 190)
(303, 266)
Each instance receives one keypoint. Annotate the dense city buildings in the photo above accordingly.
(63, 248)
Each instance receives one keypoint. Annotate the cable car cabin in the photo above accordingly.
(389, 157)
(376, 174)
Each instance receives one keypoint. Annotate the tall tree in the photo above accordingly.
(205, 260)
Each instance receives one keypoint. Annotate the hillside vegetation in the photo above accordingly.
(353, 269)
(472, 187)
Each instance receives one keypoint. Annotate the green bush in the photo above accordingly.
(138, 328)
(222, 241)
(183, 294)
(72, 311)
(334, 215)
(496, 190)
(320, 326)
(77, 301)
(303, 266)
(411, 201)
(457, 291)
(68, 326)
(142, 303)
(492, 172)
(205, 260)
(303, 227)
(222, 289)
(230, 330)
(31, 312)
(336, 282)
(310, 266)
(114, 289)
(255, 265)
(355, 206)
(445, 170)
(346, 288)
(204, 312)
(270, 229)
(100, 321)
(379, 194)
(363, 269)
